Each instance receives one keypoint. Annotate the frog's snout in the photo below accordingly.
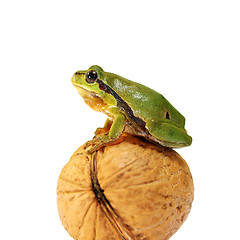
(73, 78)
(76, 77)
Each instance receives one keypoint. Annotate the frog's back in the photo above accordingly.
(145, 102)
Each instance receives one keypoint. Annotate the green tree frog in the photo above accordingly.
(131, 108)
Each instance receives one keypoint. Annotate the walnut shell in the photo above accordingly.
(131, 190)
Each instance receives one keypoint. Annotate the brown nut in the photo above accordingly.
(132, 190)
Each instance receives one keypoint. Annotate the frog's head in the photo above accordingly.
(92, 87)
(88, 79)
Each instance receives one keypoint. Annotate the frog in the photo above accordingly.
(131, 108)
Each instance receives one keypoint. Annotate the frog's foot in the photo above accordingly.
(96, 143)
(91, 142)
(102, 141)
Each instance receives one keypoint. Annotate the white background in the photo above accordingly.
(187, 50)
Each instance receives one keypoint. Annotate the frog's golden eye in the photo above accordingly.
(91, 76)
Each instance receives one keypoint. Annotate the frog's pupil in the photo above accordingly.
(91, 77)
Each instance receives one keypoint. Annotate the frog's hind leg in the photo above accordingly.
(167, 134)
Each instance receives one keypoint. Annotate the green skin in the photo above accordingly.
(132, 108)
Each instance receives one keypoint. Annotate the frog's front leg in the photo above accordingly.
(114, 135)
(168, 134)
(98, 132)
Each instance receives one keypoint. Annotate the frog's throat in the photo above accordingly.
(92, 99)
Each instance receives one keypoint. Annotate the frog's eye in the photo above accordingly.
(91, 76)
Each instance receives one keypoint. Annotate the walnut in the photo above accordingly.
(131, 190)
